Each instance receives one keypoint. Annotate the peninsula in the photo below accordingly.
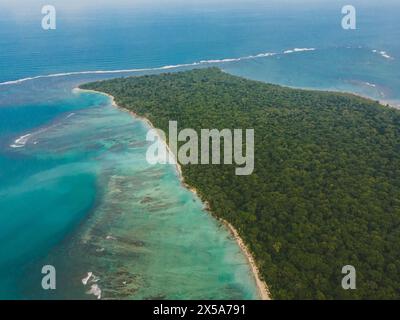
(326, 183)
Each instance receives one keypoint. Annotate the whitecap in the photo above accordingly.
(87, 278)
(167, 67)
(21, 141)
(298, 50)
(95, 290)
(383, 54)
(370, 84)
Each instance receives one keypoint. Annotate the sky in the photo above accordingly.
(74, 4)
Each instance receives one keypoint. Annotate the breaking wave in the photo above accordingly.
(21, 141)
(202, 62)
(383, 54)
(94, 287)
(298, 50)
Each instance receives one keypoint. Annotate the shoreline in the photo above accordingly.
(393, 104)
(383, 103)
(262, 287)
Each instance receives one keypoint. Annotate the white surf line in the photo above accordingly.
(94, 288)
(369, 84)
(92, 72)
(298, 50)
(21, 141)
(202, 62)
(383, 54)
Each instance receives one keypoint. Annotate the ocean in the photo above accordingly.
(75, 189)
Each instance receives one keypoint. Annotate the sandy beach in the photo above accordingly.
(262, 287)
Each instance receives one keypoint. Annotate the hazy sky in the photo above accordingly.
(20, 4)
(25, 7)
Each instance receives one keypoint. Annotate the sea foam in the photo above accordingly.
(21, 141)
(86, 279)
(383, 54)
(167, 67)
(94, 288)
(298, 50)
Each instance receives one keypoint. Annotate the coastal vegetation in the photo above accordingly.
(325, 191)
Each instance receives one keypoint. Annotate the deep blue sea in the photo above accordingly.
(75, 190)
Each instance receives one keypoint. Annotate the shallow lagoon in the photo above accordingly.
(79, 194)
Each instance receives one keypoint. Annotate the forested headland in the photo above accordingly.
(325, 191)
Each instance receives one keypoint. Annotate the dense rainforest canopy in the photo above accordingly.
(325, 191)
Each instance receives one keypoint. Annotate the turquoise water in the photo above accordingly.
(79, 194)
(75, 189)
